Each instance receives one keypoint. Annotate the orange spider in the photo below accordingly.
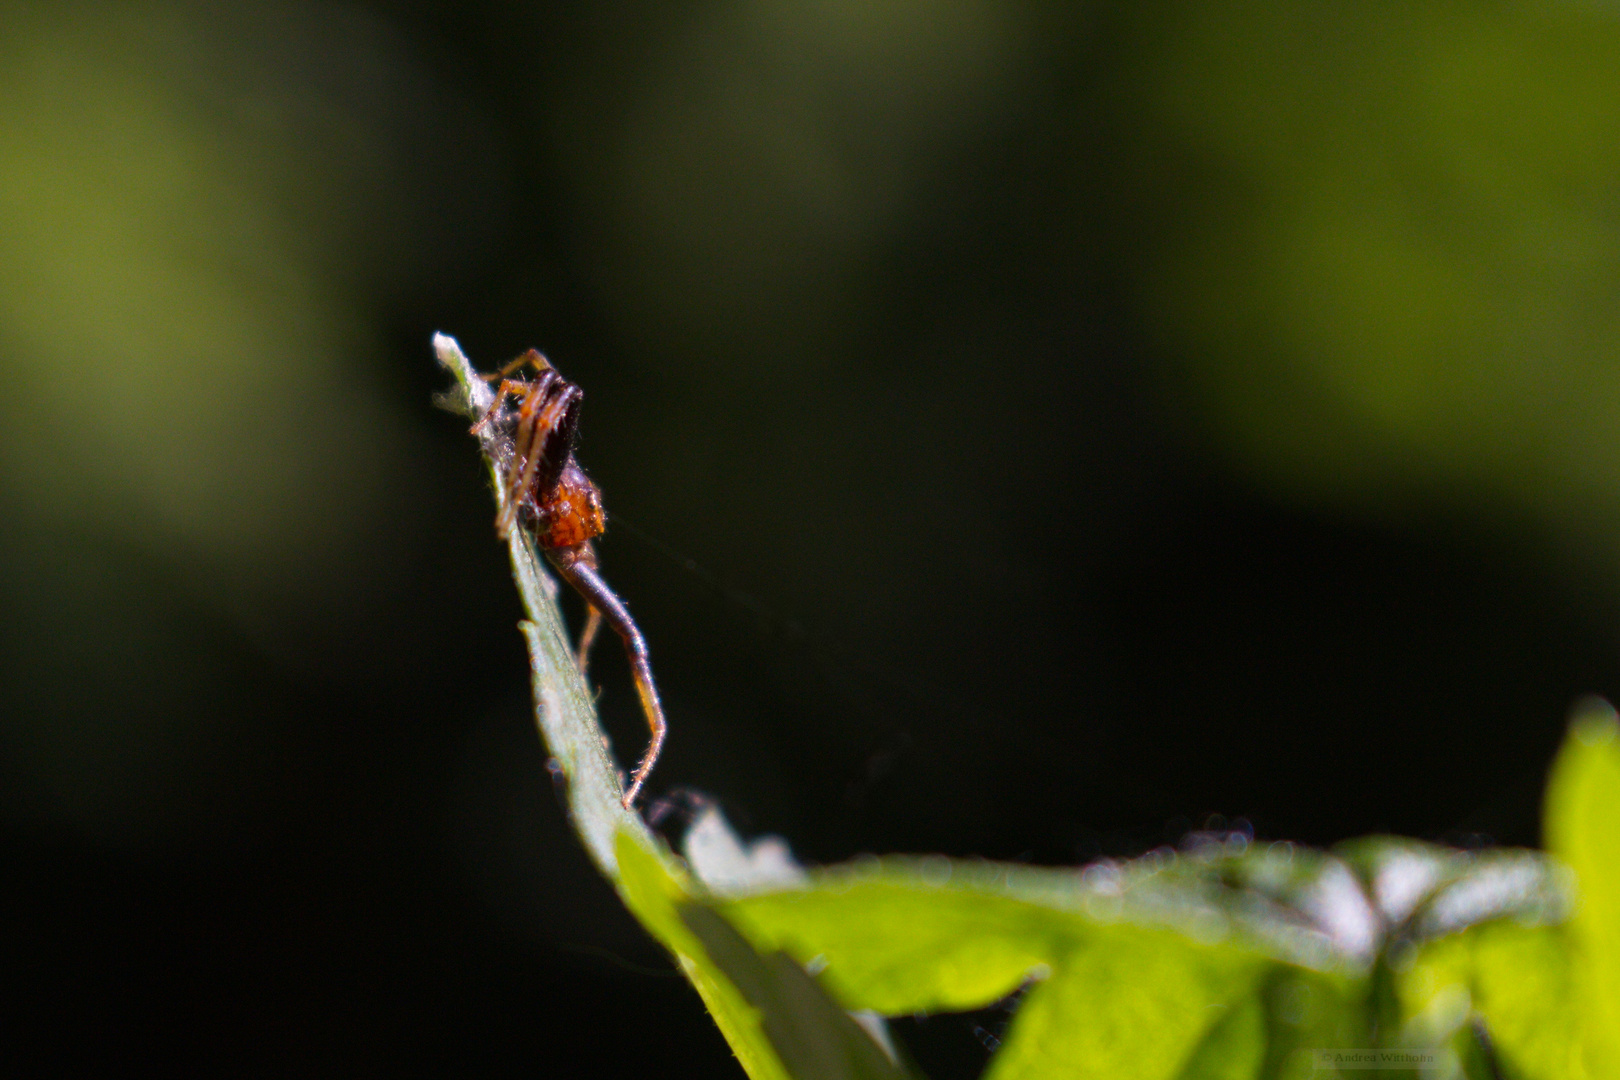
(546, 488)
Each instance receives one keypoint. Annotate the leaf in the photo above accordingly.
(1218, 961)
(1583, 828)
(1157, 969)
(1132, 1002)
(1515, 978)
(901, 935)
(812, 1035)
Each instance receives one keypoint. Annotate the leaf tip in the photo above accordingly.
(1594, 722)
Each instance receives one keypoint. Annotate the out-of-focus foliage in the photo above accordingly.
(192, 207)
(1375, 241)
(770, 150)
(1515, 980)
(1547, 995)
(197, 207)
(1385, 239)
(1583, 828)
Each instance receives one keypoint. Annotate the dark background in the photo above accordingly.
(1089, 423)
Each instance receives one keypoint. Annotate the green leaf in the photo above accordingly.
(901, 935)
(813, 1036)
(1155, 969)
(895, 947)
(1514, 977)
(1234, 1047)
(1583, 828)
(1218, 961)
(655, 894)
(1133, 1002)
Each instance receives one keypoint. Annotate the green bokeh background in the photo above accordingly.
(1150, 409)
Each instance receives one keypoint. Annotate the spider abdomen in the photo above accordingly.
(571, 513)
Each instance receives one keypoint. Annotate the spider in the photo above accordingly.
(547, 489)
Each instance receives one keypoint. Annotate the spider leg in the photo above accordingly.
(533, 356)
(577, 565)
(508, 386)
(587, 636)
(519, 474)
(528, 444)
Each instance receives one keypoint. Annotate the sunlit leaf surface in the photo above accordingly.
(1583, 828)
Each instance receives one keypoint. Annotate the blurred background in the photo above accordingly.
(1032, 430)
